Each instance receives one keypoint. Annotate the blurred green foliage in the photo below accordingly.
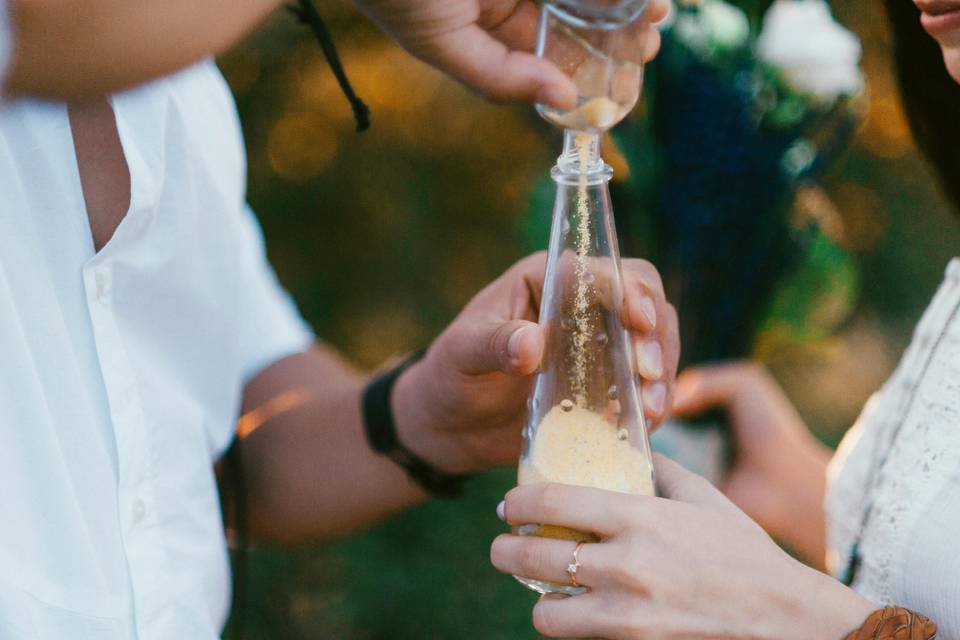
(382, 237)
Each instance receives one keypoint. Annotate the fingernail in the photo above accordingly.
(546, 96)
(654, 397)
(666, 17)
(650, 360)
(501, 510)
(649, 310)
(555, 97)
(513, 345)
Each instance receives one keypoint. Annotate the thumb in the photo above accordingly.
(676, 483)
(513, 347)
(488, 66)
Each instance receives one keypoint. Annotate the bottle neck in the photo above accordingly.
(580, 161)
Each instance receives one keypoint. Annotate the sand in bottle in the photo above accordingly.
(596, 113)
(573, 444)
(579, 447)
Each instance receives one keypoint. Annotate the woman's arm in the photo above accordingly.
(690, 565)
(779, 473)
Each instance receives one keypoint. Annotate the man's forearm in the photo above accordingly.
(308, 469)
(69, 49)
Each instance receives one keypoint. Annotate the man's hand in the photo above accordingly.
(308, 469)
(462, 407)
(486, 44)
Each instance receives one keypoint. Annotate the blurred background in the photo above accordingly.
(382, 237)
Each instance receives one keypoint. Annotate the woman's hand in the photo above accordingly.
(486, 44)
(779, 474)
(463, 405)
(690, 565)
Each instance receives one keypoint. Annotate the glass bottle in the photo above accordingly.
(585, 423)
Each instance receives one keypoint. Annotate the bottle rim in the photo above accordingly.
(598, 14)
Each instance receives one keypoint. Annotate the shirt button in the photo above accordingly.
(102, 283)
(139, 511)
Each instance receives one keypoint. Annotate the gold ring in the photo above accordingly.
(574, 566)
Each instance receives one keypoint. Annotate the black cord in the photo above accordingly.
(306, 12)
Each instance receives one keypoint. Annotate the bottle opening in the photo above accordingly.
(599, 14)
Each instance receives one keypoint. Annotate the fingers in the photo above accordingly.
(545, 559)
(644, 295)
(491, 53)
(605, 513)
(657, 11)
(656, 341)
(489, 67)
(645, 312)
(521, 354)
(583, 616)
(676, 483)
(514, 347)
(758, 408)
(658, 395)
(650, 358)
(655, 397)
(651, 44)
(703, 388)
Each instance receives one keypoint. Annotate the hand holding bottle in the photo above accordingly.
(687, 565)
(487, 44)
(463, 406)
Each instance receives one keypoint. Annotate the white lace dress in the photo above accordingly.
(900, 465)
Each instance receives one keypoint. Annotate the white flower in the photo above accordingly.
(716, 26)
(815, 53)
(727, 24)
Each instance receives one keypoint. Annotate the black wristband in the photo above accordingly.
(382, 435)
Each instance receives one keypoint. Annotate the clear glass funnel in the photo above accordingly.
(599, 44)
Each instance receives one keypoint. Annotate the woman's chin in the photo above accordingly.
(951, 57)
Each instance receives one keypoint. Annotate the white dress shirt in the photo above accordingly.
(895, 482)
(121, 372)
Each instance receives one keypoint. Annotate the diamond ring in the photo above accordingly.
(574, 566)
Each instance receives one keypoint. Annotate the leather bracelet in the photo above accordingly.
(381, 434)
(895, 623)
